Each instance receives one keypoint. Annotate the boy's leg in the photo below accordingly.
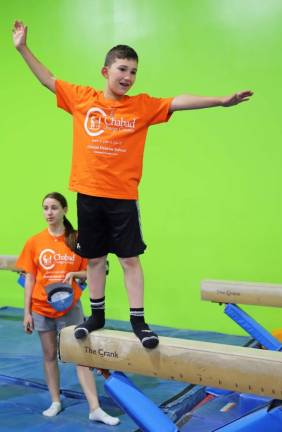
(134, 282)
(96, 275)
(127, 243)
(92, 243)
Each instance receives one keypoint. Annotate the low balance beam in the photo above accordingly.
(260, 294)
(230, 367)
(8, 262)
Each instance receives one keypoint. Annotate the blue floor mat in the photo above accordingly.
(218, 412)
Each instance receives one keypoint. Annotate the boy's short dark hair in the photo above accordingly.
(120, 52)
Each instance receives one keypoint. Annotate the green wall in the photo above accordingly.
(211, 193)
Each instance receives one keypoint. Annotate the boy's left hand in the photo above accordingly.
(236, 98)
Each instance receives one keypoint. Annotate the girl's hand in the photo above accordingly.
(28, 323)
(69, 278)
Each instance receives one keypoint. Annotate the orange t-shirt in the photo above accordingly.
(49, 259)
(108, 138)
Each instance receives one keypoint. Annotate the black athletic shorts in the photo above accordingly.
(108, 225)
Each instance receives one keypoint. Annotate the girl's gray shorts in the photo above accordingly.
(74, 316)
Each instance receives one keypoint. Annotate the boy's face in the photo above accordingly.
(120, 77)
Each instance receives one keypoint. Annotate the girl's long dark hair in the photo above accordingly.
(70, 232)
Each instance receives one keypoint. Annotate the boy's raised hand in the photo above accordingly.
(39, 70)
(19, 34)
(236, 98)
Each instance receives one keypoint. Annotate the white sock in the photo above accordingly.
(102, 416)
(53, 409)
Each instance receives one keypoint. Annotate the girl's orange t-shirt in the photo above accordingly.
(108, 138)
(49, 259)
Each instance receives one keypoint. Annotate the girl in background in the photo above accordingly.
(49, 258)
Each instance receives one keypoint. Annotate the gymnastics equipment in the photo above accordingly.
(260, 294)
(8, 262)
(148, 416)
(81, 283)
(247, 293)
(229, 367)
(270, 416)
(277, 333)
(251, 326)
(264, 419)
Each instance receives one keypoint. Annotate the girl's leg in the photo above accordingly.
(134, 282)
(87, 382)
(48, 341)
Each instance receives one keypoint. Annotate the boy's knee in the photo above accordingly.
(130, 263)
(97, 262)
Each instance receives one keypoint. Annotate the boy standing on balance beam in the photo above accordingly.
(110, 130)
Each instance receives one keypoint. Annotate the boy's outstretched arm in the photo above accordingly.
(187, 101)
(42, 74)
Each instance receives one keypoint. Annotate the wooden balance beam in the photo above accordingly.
(229, 367)
(8, 262)
(242, 293)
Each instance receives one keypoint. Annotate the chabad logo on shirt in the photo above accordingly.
(49, 258)
(97, 121)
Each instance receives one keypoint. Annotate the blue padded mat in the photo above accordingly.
(212, 415)
(24, 395)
